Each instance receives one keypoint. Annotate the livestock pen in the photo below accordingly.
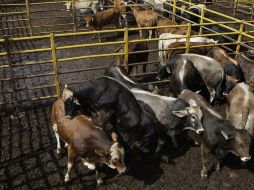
(36, 63)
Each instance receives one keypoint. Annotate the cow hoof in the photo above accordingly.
(58, 151)
(99, 182)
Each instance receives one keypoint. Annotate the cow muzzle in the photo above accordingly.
(245, 158)
(200, 131)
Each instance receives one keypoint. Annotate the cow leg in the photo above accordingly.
(140, 33)
(58, 149)
(204, 156)
(172, 135)
(150, 34)
(144, 68)
(98, 177)
(71, 158)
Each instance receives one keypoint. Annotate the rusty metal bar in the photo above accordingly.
(74, 15)
(54, 60)
(126, 48)
(28, 17)
(188, 39)
(240, 36)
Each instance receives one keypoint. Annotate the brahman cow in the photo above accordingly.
(220, 136)
(184, 75)
(233, 72)
(240, 107)
(120, 75)
(86, 141)
(247, 66)
(209, 69)
(133, 120)
(173, 113)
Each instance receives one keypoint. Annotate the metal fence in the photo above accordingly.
(34, 68)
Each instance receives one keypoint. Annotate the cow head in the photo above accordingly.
(238, 143)
(70, 102)
(117, 154)
(89, 20)
(68, 6)
(193, 116)
(250, 82)
(231, 81)
(163, 72)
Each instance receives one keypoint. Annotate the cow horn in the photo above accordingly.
(192, 103)
(65, 86)
(224, 135)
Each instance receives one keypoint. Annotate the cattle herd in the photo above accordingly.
(112, 119)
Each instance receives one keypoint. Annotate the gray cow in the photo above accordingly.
(240, 107)
(173, 113)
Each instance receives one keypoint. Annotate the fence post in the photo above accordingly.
(252, 11)
(29, 18)
(73, 14)
(174, 10)
(201, 21)
(54, 61)
(188, 38)
(240, 36)
(126, 48)
(7, 45)
(235, 6)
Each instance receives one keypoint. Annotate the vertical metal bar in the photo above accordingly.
(126, 48)
(252, 11)
(54, 60)
(174, 10)
(29, 18)
(7, 45)
(188, 38)
(201, 21)
(74, 14)
(235, 7)
(240, 36)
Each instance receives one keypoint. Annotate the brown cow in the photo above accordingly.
(165, 22)
(232, 71)
(182, 46)
(134, 58)
(144, 18)
(247, 66)
(240, 108)
(102, 18)
(86, 141)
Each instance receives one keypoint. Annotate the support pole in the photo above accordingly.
(74, 14)
(201, 21)
(240, 36)
(126, 48)
(54, 61)
(188, 39)
(235, 7)
(174, 11)
(29, 17)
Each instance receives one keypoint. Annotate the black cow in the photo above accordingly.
(183, 75)
(134, 121)
(120, 74)
(220, 136)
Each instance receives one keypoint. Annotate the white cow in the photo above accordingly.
(164, 44)
(83, 7)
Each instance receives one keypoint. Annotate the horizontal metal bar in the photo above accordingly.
(14, 13)
(88, 56)
(89, 45)
(31, 51)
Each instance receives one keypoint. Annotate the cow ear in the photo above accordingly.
(168, 70)
(192, 103)
(181, 113)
